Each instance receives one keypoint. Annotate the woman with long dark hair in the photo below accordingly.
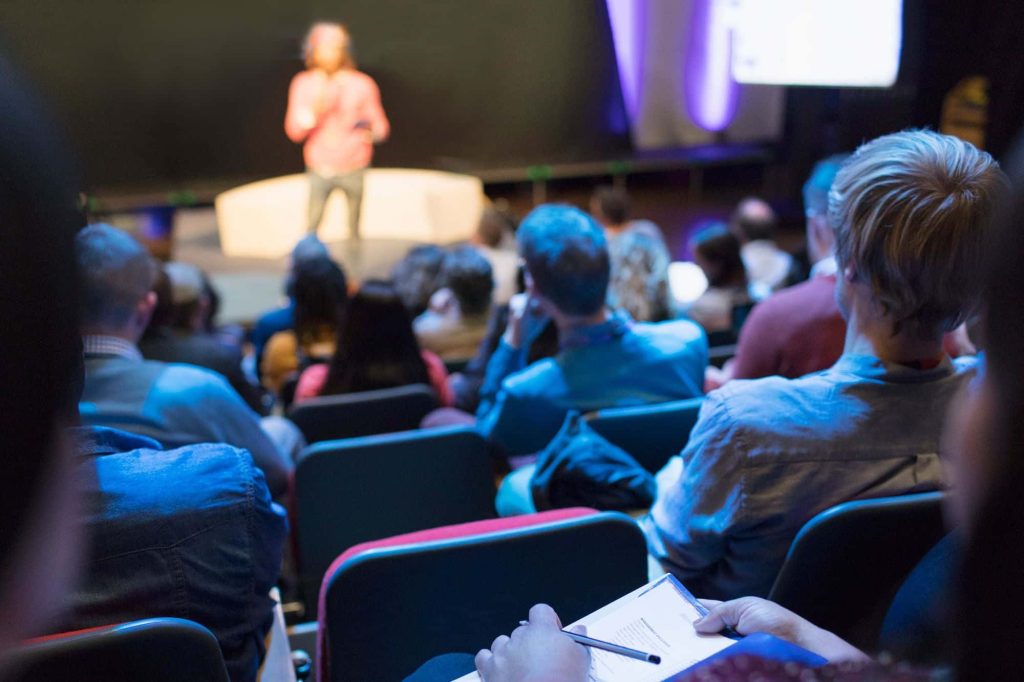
(320, 292)
(375, 349)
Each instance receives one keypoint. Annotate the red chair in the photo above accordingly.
(155, 650)
(388, 606)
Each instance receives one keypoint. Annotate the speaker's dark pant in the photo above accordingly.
(320, 188)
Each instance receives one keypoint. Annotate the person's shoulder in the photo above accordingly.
(364, 79)
(758, 403)
(187, 382)
(672, 334)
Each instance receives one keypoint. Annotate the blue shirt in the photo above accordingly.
(268, 324)
(615, 363)
(174, 404)
(188, 533)
(766, 455)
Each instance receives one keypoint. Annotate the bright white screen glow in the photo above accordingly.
(817, 42)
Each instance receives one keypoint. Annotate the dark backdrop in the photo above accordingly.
(163, 93)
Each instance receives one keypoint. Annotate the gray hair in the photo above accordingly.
(910, 213)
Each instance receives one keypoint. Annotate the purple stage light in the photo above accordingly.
(710, 93)
(628, 19)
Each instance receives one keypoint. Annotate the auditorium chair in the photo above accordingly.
(155, 650)
(363, 414)
(388, 606)
(652, 434)
(846, 564)
(359, 489)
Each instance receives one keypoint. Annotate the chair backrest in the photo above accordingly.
(156, 650)
(385, 611)
(846, 564)
(650, 433)
(363, 414)
(359, 489)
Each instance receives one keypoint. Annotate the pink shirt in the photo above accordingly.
(324, 112)
(311, 381)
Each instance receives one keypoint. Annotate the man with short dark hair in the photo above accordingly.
(172, 403)
(605, 359)
(456, 320)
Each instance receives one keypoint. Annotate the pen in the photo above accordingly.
(608, 646)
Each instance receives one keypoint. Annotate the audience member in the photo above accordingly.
(376, 348)
(768, 267)
(717, 252)
(171, 403)
(416, 277)
(456, 320)
(798, 330)
(177, 330)
(40, 538)
(605, 358)
(495, 239)
(910, 214)
(639, 276)
(283, 319)
(610, 207)
(320, 292)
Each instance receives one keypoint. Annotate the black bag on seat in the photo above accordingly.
(579, 468)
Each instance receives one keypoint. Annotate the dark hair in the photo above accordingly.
(469, 275)
(720, 247)
(416, 276)
(495, 222)
(115, 272)
(815, 190)
(612, 204)
(991, 594)
(751, 224)
(566, 255)
(376, 345)
(39, 343)
(320, 291)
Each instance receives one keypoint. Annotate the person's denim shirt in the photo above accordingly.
(615, 363)
(766, 455)
(187, 533)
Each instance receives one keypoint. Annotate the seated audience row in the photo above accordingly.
(912, 217)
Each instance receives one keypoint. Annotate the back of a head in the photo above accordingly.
(566, 256)
(416, 276)
(494, 225)
(753, 219)
(719, 250)
(469, 276)
(320, 291)
(639, 280)
(115, 273)
(376, 347)
(610, 205)
(911, 217)
(819, 183)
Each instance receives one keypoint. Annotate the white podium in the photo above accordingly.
(265, 219)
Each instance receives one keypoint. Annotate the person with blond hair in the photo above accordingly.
(910, 213)
(335, 112)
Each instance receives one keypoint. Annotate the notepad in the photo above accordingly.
(657, 619)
